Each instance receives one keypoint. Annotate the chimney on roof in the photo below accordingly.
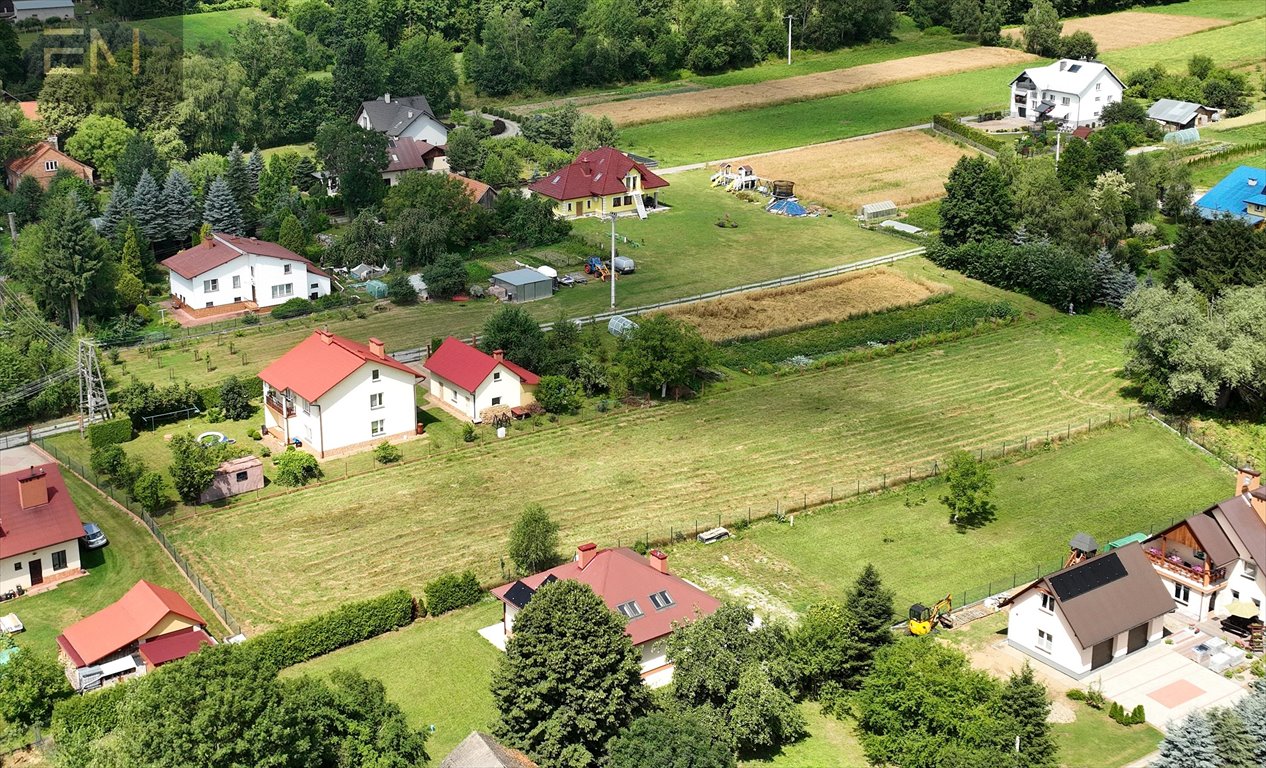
(1062, 65)
(326, 336)
(376, 348)
(659, 560)
(498, 354)
(585, 554)
(33, 488)
(1247, 480)
(386, 97)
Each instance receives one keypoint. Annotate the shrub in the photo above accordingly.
(87, 717)
(386, 453)
(110, 432)
(1076, 694)
(401, 291)
(452, 591)
(349, 623)
(1138, 716)
(558, 394)
(951, 124)
(468, 433)
(296, 307)
(235, 398)
(296, 468)
(114, 465)
(250, 318)
(209, 397)
(254, 435)
(1095, 698)
(215, 415)
(1117, 712)
(266, 452)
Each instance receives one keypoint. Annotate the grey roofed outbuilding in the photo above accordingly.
(395, 116)
(479, 750)
(1084, 542)
(1174, 111)
(523, 276)
(524, 284)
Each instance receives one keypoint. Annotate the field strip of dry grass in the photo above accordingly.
(907, 168)
(1129, 29)
(804, 87)
(793, 307)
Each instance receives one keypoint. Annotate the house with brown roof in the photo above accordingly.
(40, 529)
(599, 182)
(227, 273)
(148, 627)
(405, 154)
(43, 162)
(334, 395)
(479, 750)
(1097, 610)
(481, 193)
(467, 381)
(641, 589)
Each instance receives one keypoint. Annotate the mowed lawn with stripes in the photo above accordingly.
(617, 478)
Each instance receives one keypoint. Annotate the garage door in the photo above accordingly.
(1137, 639)
(1101, 654)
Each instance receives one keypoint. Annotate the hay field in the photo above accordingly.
(1128, 29)
(793, 307)
(803, 88)
(906, 168)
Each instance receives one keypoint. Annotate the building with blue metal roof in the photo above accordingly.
(1242, 194)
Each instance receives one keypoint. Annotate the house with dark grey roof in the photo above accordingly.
(403, 118)
(479, 750)
(1095, 611)
(1175, 115)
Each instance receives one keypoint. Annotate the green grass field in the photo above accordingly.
(198, 29)
(1229, 46)
(681, 253)
(1233, 10)
(1089, 485)
(777, 441)
(132, 554)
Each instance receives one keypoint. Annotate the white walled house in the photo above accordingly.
(639, 588)
(1091, 613)
(336, 396)
(40, 529)
(1068, 92)
(409, 117)
(227, 273)
(466, 381)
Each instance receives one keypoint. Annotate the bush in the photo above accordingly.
(386, 453)
(110, 432)
(112, 463)
(1076, 694)
(468, 432)
(215, 415)
(296, 307)
(349, 623)
(250, 318)
(296, 468)
(87, 717)
(401, 291)
(254, 435)
(558, 394)
(1138, 716)
(452, 591)
(266, 452)
(951, 124)
(209, 397)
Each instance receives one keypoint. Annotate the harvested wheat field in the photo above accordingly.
(804, 305)
(805, 87)
(1128, 29)
(906, 168)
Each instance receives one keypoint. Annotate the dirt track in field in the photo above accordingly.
(1128, 29)
(906, 168)
(805, 87)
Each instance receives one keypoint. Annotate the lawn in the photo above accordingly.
(1093, 741)
(438, 670)
(131, 555)
(198, 29)
(1205, 176)
(680, 253)
(1091, 484)
(831, 743)
(643, 471)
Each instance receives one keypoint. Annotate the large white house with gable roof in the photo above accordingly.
(1068, 92)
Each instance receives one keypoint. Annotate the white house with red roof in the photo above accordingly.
(466, 381)
(39, 528)
(641, 589)
(148, 627)
(601, 181)
(227, 273)
(335, 395)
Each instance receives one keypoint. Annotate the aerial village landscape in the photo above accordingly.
(651, 384)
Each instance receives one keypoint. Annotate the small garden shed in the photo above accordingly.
(524, 285)
(884, 209)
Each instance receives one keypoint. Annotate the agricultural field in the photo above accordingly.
(729, 99)
(907, 168)
(1231, 10)
(1229, 46)
(782, 310)
(1129, 29)
(689, 462)
(679, 252)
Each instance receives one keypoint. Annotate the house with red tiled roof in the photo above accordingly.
(43, 162)
(641, 589)
(601, 181)
(227, 273)
(467, 381)
(334, 396)
(39, 529)
(148, 627)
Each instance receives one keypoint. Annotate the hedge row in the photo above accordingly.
(210, 396)
(350, 623)
(110, 432)
(951, 124)
(88, 717)
(452, 591)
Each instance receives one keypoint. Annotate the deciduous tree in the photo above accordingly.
(670, 740)
(663, 352)
(446, 277)
(977, 204)
(17, 134)
(425, 64)
(192, 466)
(235, 398)
(593, 132)
(358, 157)
(534, 541)
(559, 394)
(968, 486)
(31, 682)
(1042, 29)
(513, 330)
(99, 141)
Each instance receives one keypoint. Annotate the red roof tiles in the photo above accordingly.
(55, 521)
(213, 253)
(410, 155)
(595, 173)
(467, 367)
(177, 645)
(123, 622)
(321, 361)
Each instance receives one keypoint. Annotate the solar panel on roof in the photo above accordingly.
(519, 593)
(1088, 577)
(1075, 68)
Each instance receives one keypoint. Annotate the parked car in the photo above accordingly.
(94, 537)
(624, 265)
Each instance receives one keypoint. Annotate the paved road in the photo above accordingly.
(512, 128)
(697, 166)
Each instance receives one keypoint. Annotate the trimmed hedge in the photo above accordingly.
(110, 432)
(452, 591)
(296, 307)
(349, 623)
(210, 396)
(88, 717)
(949, 123)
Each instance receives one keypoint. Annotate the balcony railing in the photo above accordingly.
(280, 406)
(1198, 573)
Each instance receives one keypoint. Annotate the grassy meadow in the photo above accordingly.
(1231, 10)
(1229, 46)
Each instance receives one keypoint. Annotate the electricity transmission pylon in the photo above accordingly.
(93, 403)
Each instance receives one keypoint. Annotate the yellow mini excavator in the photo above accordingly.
(924, 619)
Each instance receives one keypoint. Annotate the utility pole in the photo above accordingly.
(789, 18)
(1059, 135)
(92, 396)
(13, 226)
(611, 277)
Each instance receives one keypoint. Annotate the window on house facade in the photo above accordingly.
(210, 304)
(50, 165)
(59, 560)
(661, 600)
(496, 401)
(374, 374)
(496, 375)
(1250, 571)
(375, 401)
(1064, 101)
(1048, 603)
(237, 281)
(1181, 593)
(1044, 640)
(1098, 86)
(17, 566)
(210, 286)
(1234, 595)
(377, 427)
(630, 610)
(241, 477)
(280, 291)
(285, 269)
